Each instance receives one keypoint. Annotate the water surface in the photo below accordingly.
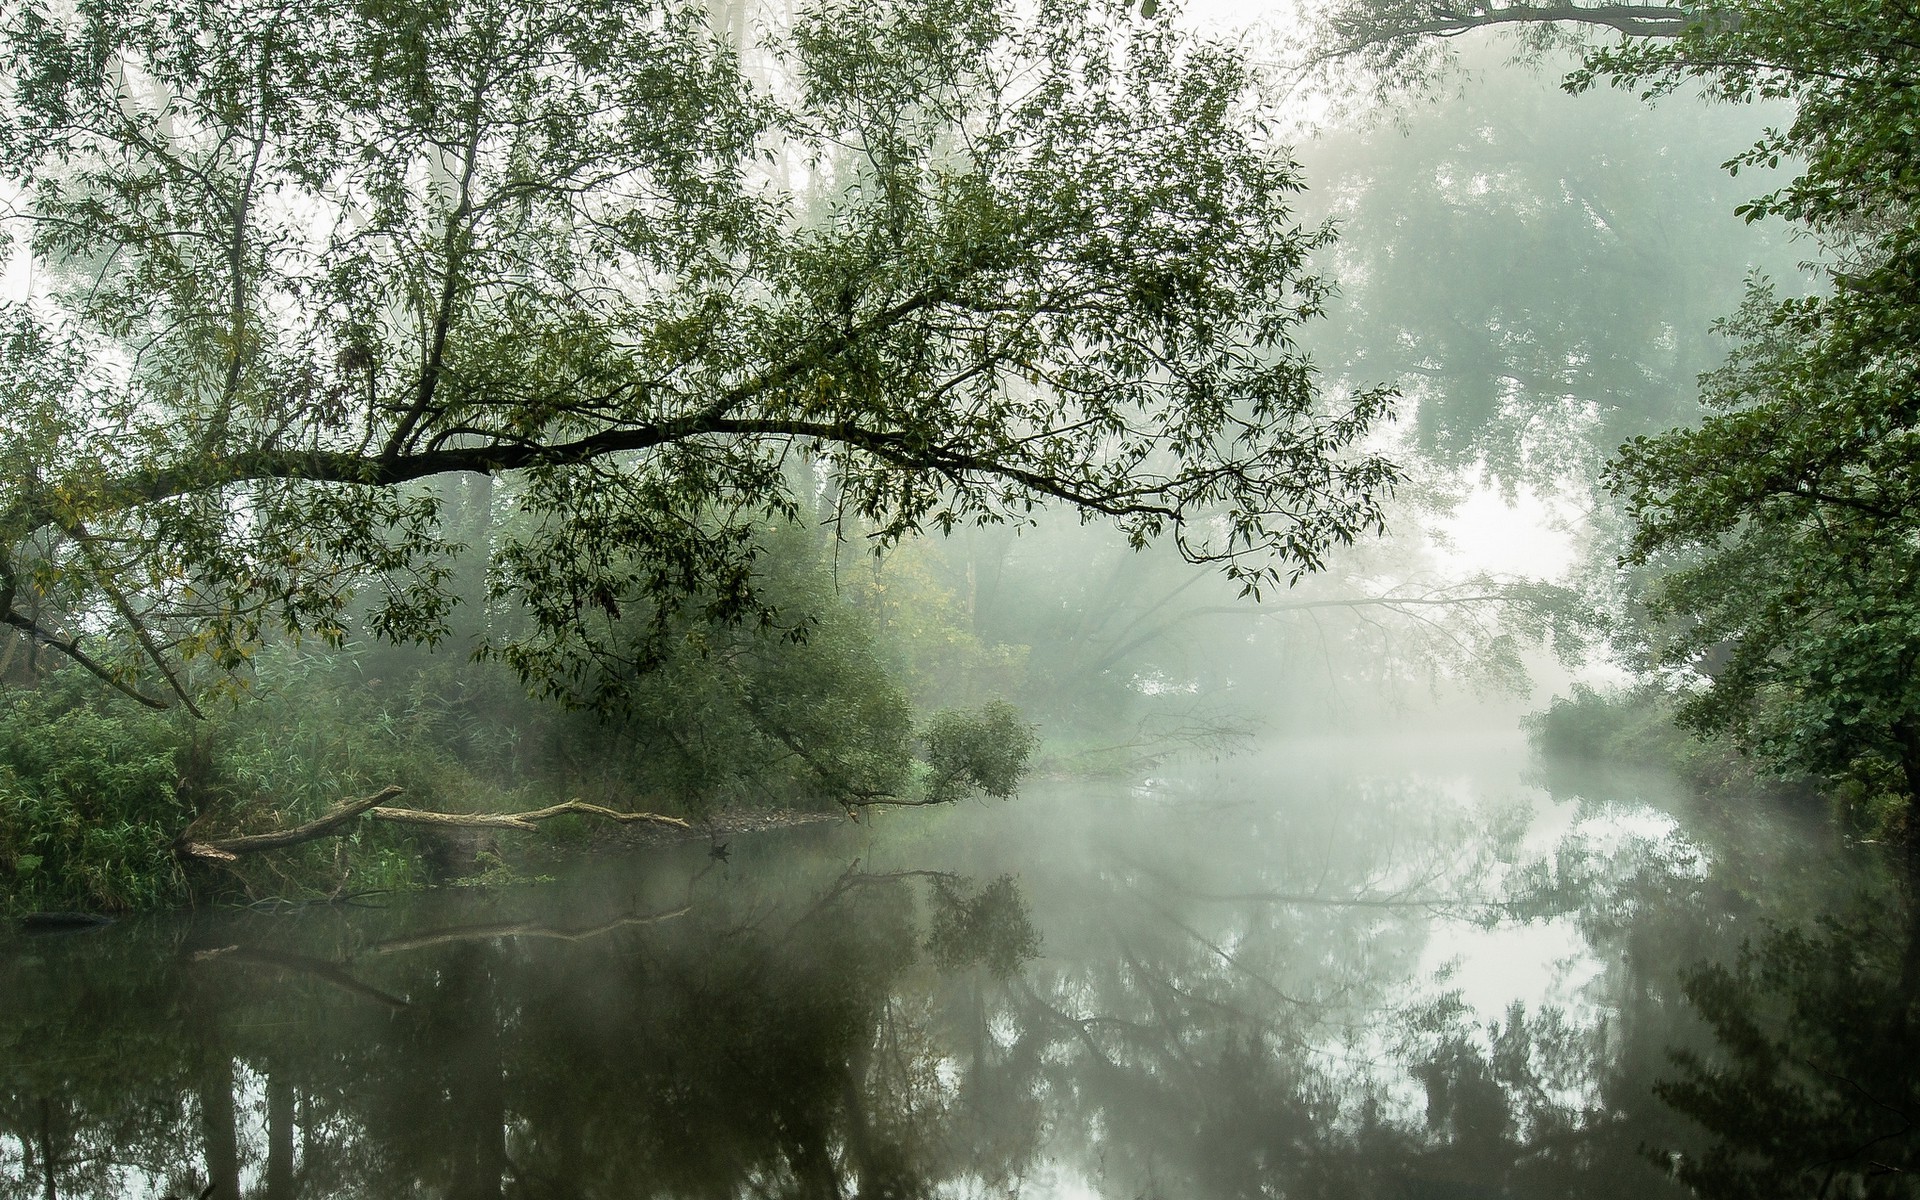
(1343, 970)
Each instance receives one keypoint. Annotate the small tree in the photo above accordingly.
(984, 750)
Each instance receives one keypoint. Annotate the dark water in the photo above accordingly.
(1422, 973)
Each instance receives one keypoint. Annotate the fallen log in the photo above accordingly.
(523, 929)
(524, 821)
(227, 850)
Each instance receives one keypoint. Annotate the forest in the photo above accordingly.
(824, 600)
(432, 424)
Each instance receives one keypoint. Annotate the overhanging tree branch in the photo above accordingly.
(611, 303)
(1632, 20)
(71, 648)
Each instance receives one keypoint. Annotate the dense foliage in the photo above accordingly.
(954, 263)
(95, 793)
(1808, 1087)
(1784, 527)
(541, 331)
(89, 805)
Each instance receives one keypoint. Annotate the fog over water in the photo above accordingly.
(1354, 967)
(1293, 900)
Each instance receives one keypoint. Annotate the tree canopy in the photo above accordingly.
(292, 260)
(1537, 272)
(1786, 523)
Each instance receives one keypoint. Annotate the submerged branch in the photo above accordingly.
(522, 929)
(321, 969)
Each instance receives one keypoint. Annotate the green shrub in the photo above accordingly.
(89, 804)
(984, 749)
(1636, 727)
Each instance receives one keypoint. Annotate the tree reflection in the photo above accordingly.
(1813, 1085)
(1246, 1011)
(718, 1055)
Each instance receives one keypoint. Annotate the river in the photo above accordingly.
(1416, 970)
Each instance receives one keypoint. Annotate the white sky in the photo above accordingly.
(1518, 540)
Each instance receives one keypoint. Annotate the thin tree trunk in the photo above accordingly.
(1908, 734)
(219, 1133)
(280, 1100)
(49, 1160)
(479, 1089)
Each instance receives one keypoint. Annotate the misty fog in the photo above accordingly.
(957, 599)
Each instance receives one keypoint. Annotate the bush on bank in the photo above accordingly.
(1637, 727)
(94, 791)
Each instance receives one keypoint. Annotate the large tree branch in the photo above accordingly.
(226, 850)
(452, 250)
(393, 465)
(1448, 20)
(325, 466)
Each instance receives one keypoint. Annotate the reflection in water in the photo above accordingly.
(724, 1049)
(1812, 1087)
(1296, 981)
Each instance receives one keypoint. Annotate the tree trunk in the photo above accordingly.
(280, 1100)
(49, 1157)
(219, 1133)
(478, 1087)
(1907, 733)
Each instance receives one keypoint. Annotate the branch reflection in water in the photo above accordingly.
(1291, 979)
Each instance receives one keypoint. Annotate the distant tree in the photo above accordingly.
(1787, 524)
(1538, 273)
(296, 260)
(1376, 46)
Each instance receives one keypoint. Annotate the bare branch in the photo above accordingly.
(523, 821)
(71, 648)
(226, 850)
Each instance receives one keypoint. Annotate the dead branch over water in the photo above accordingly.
(332, 823)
